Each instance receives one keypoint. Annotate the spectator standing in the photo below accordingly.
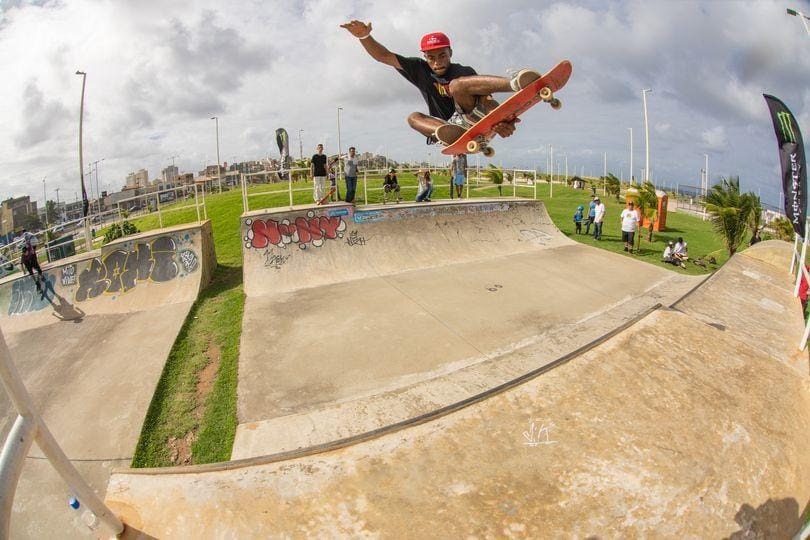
(598, 219)
(425, 186)
(317, 169)
(350, 168)
(630, 221)
(459, 173)
(591, 214)
(579, 216)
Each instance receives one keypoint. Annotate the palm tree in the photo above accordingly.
(496, 176)
(731, 212)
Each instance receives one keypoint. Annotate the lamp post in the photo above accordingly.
(300, 145)
(45, 202)
(337, 174)
(87, 241)
(219, 175)
(57, 205)
(94, 165)
(646, 136)
(631, 156)
(804, 18)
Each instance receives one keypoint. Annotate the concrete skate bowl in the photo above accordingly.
(424, 406)
(90, 350)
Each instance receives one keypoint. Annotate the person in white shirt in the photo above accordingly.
(630, 221)
(680, 253)
(599, 218)
(668, 252)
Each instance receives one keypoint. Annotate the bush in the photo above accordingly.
(118, 230)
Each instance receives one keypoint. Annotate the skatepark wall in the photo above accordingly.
(134, 273)
(310, 246)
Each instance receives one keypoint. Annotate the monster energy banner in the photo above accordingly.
(794, 165)
(85, 202)
(283, 141)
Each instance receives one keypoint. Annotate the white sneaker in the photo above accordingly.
(523, 78)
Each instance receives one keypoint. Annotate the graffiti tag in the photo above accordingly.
(275, 260)
(189, 260)
(355, 239)
(68, 275)
(26, 298)
(121, 270)
(535, 435)
(303, 230)
(535, 235)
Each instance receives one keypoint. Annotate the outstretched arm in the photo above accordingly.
(378, 52)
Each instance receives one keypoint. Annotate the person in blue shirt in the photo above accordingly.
(579, 215)
(591, 214)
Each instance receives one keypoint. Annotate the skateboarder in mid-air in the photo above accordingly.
(456, 95)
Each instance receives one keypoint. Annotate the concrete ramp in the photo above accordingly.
(91, 349)
(689, 423)
(360, 319)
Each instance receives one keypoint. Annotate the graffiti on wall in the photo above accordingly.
(25, 297)
(120, 270)
(309, 230)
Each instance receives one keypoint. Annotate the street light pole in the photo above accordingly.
(57, 206)
(45, 203)
(646, 136)
(87, 241)
(631, 156)
(340, 150)
(801, 16)
(300, 145)
(219, 174)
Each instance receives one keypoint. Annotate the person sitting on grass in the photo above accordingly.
(668, 254)
(679, 252)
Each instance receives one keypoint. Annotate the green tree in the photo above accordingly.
(613, 185)
(730, 212)
(496, 176)
(782, 228)
(31, 222)
(646, 201)
(51, 212)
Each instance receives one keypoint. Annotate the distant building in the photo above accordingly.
(13, 212)
(170, 174)
(138, 179)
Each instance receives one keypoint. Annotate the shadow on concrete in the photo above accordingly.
(775, 518)
(62, 309)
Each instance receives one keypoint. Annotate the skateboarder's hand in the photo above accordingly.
(505, 129)
(358, 29)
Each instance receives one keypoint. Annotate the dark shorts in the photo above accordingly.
(628, 236)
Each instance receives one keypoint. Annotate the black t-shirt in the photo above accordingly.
(319, 164)
(390, 179)
(434, 88)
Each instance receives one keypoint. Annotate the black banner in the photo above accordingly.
(85, 201)
(792, 159)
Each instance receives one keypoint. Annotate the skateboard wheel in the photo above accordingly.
(473, 147)
(488, 151)
(556, 104)
(545, 93)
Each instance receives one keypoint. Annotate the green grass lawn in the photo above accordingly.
(192, 417)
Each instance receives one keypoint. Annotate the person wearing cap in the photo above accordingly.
(578, 217)
(668, 251)
(630, 221)
(598, 218)
(390, 184)
(455, 94)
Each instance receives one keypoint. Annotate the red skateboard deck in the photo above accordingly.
(477, 137)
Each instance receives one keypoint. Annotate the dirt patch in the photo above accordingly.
(206, 378)
(180, 449)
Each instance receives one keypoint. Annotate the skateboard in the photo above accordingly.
(476, 138)
(328, 194)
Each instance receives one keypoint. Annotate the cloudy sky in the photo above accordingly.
(157, 71)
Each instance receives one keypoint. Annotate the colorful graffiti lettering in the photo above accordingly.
(120, 270)
(303, 230)
(26, 298)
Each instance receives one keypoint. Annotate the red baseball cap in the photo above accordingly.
(435, 40)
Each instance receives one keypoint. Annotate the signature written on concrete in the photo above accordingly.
(538, 435)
